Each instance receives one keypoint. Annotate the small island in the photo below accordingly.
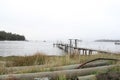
(10, 36)
(107, 40)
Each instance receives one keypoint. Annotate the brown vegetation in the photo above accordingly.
(40, 59)
(47, 61)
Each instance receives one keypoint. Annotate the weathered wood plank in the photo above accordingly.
(55, 74)
(89, 77)
(67, 67)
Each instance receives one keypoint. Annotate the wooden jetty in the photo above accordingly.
(69, 48)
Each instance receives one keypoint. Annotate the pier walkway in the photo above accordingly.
(69, 48)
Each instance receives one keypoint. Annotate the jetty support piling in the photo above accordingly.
(70, 46)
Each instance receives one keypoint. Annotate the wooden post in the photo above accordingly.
(85, 52)
(91, 52)
(76, 43)
(79, 51)
(66, 47)
(70, 46)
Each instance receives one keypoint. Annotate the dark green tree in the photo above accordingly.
(9, 36)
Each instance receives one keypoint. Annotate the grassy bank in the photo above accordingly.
(41, 59)
(48, 61)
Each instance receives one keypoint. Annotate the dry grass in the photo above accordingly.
(40, 59)
(36, 59)
(49, 61)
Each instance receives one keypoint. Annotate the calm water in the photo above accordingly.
(31, 47)
(27, 48)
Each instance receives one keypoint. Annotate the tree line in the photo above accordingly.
(9, 36)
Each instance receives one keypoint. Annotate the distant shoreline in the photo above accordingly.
(106, 40)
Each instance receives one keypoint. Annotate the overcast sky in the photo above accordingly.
(61, 19)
